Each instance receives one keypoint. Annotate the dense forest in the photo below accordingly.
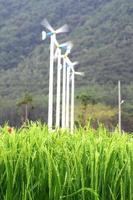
(102, 33)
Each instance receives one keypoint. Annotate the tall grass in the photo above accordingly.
(88, 165)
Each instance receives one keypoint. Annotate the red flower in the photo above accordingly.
(10, 129)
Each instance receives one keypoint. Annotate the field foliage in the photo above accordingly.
(87, 165)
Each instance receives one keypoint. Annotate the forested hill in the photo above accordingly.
(20, 23)
(102, 33)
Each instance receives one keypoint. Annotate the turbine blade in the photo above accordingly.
(79, 73)
(68, 45)
(62, 29)
(69, 48)
(65, 44)
(44, 35)
(75, 63)
(68, 51)
(46, 24)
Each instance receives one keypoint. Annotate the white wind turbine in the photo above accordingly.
(67, 96)
(52, 34)
(65, 46)
(64, 88)
(71, 65)
(72, 96)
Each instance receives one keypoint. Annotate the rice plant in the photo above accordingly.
(87, 165)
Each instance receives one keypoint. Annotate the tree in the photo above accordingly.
(85, 100)
(26, 101)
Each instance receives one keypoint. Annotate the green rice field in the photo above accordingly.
(87, 165)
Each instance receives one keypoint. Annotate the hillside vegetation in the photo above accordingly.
(102, 32)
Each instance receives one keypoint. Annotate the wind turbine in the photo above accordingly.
(67, 96)
(120, 102)
(65, 46)
(71, 65)
(52, 34)
(72, 96)
(64, 94)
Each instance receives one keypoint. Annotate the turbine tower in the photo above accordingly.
(65, 46)
(120, 102)
(58, 100)
(52, 34)
(73, 73)
(72, 96)
(67, 96)
(64, 89)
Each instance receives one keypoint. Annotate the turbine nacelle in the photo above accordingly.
(45, 35)
(62, 29)
(64, 46)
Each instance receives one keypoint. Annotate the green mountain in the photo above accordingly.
(102, 33)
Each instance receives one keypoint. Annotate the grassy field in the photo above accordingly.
(87, 165)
